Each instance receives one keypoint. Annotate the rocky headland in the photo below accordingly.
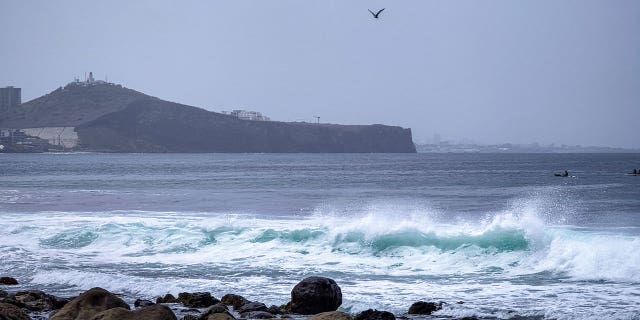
(111, 118)
(313, 298)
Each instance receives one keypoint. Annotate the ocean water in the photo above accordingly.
(498, 232)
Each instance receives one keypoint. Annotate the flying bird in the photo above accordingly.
(375, 15)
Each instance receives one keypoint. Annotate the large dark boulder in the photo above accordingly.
(315, 295)
(11, 312)
(89, 304)
(154, 312)
(8, 281)
(375, 315)
(197, 299)
(234, 300)
(422, 307)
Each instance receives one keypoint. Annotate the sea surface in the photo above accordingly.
(498, 232)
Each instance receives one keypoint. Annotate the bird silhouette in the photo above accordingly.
(375, 15)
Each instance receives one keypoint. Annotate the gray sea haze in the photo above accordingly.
(497, 231)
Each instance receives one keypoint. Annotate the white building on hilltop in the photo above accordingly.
(248, 115)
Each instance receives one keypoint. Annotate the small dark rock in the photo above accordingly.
(153, 312)
(8, 281)
(422, 307)
(257, 315)
(315, 295)
(216, 308)
(35, 300)
(469, 318)
(168, 298)
(375, 315)
(219, 316)
(140, 303)
(190, 317)
(11, 312)
(59, 302)
(331, 315)
(252, 306)
(197, 299)
(276, 310)
(234, 300)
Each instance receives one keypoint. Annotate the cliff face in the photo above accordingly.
(111, 118)
(152, 125)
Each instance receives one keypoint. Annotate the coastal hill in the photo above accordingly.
(112, 118)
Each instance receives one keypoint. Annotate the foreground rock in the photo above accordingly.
(422, 307)
(8, 281)
(333, 315)
(315, 295)
(36, 300)
(216, 312)
(234, 300)
(197, 299)
(141, 303)
(168, 298)
(11, 312)
(89, 304)
(154, 312)
(375, 315)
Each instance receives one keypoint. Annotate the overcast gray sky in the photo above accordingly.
(491, 71)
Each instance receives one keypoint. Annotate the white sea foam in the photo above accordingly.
(380, 251)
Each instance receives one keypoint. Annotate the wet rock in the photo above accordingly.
(197, 299)
(59, 302)
(154, 312)
(219, 316)
(3, 294)
(35, 300)
(375, 315)
(216, 308)
(469, 318)
(332, 315)
(8, 281)
(141, 303)
(276, 310)
(89, 304)
(257, 315)
(11, 312)
(422, 307)
(168, 298)
(315, 295)
(234, 300)
(252, 306)
(190, 317)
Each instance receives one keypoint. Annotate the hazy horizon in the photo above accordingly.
(563, 72)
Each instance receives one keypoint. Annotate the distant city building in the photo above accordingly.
(10, 97)
(248, 115)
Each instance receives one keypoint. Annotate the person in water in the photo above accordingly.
(565, 174)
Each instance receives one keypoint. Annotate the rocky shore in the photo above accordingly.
(313, 298)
